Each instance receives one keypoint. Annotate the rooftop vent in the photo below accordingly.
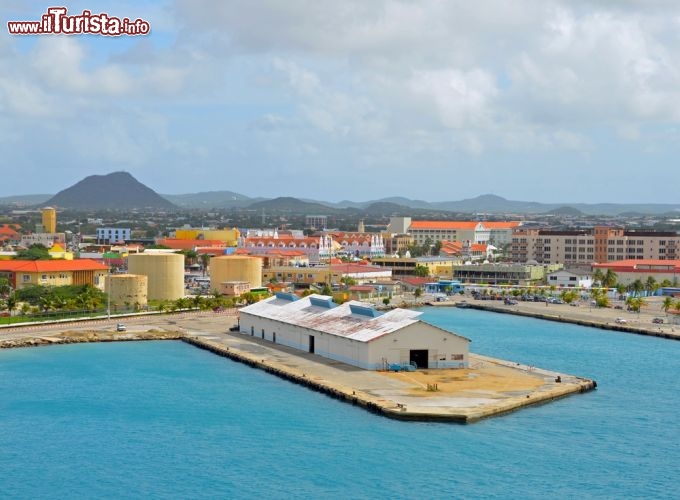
(291, 297)
(364, 310)
(326, 302)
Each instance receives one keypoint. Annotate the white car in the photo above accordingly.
(621, 320)
(120, 327)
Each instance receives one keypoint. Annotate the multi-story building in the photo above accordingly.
(599, 244)
(110, 235)
(45, 239)
(436, 266)
(494, 233)
(503, 274)
(49, 220)
(324, 274)
(316, 222)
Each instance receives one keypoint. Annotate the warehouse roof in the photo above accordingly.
(354, 320)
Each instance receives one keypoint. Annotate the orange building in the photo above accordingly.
(24, 273)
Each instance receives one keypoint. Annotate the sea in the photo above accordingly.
(167, 420)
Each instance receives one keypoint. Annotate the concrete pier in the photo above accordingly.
(490, 387)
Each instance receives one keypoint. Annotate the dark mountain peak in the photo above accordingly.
(117, 190)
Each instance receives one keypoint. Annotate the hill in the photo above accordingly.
(211, 199)
(292, 205)
(25, 200)
(118, 190)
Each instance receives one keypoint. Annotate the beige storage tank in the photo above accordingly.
(236, 268)
(165, 272)
(127, 290)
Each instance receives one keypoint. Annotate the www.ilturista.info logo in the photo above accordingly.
(57, 22)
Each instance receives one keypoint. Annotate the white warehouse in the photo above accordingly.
(354, 333)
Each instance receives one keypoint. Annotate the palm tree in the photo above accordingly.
(11, 302)
(636, 287)
(667, 304)
(651, 285)
(598, 277)
(609, 279)
(205, 259)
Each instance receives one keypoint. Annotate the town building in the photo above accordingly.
(225, 237)
(113, 235)
(503, 274)
(49, 220)
(628, 271)
(364, 245)
(564, 278)
(354, 333)
(495, 233)
(45, 239)
(599, 244)
(436, 266)
(25, 273)
(316, 222)
(332, 274)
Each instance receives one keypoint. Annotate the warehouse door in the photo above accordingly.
(419, 357)
(311, 344)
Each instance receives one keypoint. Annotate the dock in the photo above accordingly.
(490, 387)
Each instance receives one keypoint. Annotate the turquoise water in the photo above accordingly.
(167, 420)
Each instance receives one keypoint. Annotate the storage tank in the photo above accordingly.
(127, 290)
(165, 273)
(236, 268)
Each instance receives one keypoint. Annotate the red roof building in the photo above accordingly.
(24, 273)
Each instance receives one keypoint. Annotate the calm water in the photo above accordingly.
(166, 420)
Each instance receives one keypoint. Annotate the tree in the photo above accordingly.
(598, 277)
(418, 293)
(667, 304)
(11, 303)
(636, 287)
(421, 271)
(34, 252)
(386, 300)
(609, 279)
(205, 259)
(651, 285)
(5, 287)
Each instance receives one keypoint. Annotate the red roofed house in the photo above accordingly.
(8, 235)
(24, 273)
(627, 271)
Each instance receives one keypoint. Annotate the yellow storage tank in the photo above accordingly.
(165, 273)
(236, 268)
(127, 290)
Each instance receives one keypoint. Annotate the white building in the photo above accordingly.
(354, 333)
(569, 279)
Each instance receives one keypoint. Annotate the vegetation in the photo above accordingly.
(421, 271)
(34, 252)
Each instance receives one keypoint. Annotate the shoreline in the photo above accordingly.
(604, 318)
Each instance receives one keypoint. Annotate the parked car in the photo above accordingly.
(621, 320)
(658, 321)
(120, 327)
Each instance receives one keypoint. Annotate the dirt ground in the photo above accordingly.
(483, 377)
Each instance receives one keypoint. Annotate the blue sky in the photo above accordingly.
(542, 100)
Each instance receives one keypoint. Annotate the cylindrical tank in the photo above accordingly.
(165, 273)
(235, 268)
(127, 290)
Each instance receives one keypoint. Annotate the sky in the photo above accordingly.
(538, 100)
